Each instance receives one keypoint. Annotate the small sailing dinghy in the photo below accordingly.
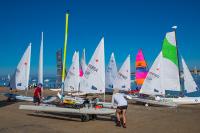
(124, 76)
(72, 81)
(93, 80)
(20, 78)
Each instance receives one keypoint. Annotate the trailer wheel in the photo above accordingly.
(85, 118)
(93, 117)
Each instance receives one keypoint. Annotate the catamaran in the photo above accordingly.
(111, 74)
(164, 75)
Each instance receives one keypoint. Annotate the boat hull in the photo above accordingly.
(183, 100)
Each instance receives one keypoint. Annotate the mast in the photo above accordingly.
(182, 90)
(64, 59)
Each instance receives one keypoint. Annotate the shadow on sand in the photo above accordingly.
(55, 116)
(6, 103)
(68, 117)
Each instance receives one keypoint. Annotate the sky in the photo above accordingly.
(126, 25)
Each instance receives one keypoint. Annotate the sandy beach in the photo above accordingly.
(141, 119)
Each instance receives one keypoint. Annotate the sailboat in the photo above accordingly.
(164, 75)
(111, 74)
(189, 85)
(123, 82)
(93, 80)
(72, 79)
(20, 78)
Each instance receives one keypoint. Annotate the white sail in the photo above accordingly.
(170, 68)
(83, 62)
(20, 78)
(124, 76)
(72, 80)
(164, 73)
(93, 80)
(111, 73)
(40, 68)
(189, 83)
(152, 83)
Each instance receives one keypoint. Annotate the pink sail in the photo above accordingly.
(81, 73)
(141, 75)
(140, 56)
(141, 70)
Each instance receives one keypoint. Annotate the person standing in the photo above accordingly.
(122, 105)
(37, 94)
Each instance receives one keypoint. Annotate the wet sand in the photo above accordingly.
(140, 119)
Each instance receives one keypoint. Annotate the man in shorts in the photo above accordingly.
(37, 94)
(122, 104)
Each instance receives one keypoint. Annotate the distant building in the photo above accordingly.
(195, 70)
(59, 68)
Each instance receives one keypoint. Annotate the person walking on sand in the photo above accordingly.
(122, 105)
(37, 94)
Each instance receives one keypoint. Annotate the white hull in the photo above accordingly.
(155, 102)
(183, 100)
(55, 90)
(77, 100)
(29, 98)
(102, 111)
(105, 104)
(24, 98)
